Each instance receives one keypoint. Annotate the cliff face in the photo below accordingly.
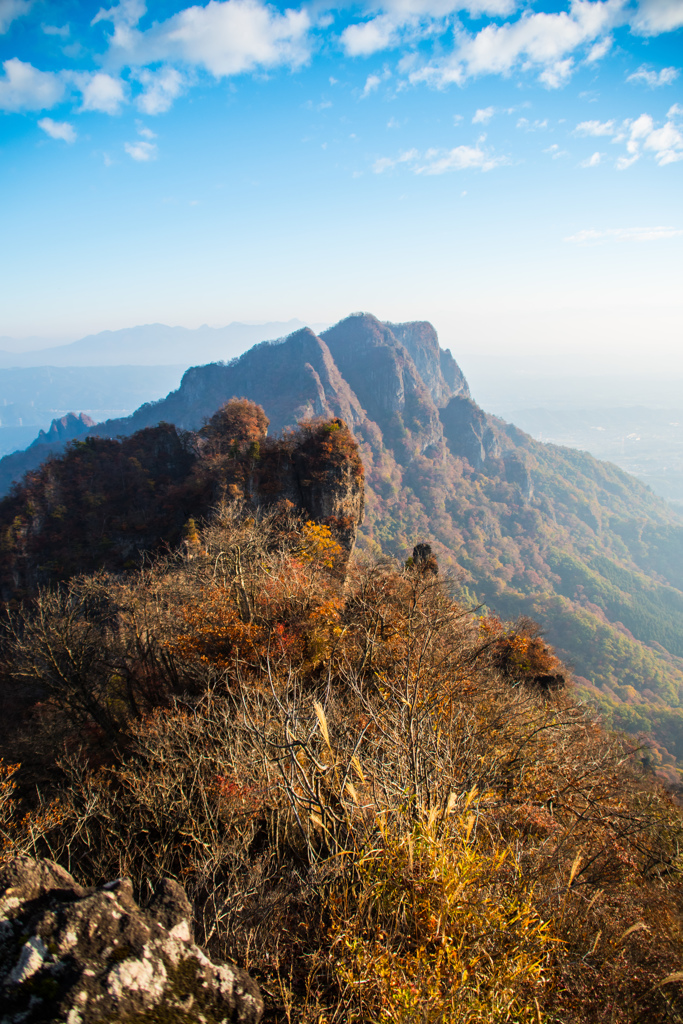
(469, 433)
(386, 380)
(66, 428)
(105, 501)
(437, 367)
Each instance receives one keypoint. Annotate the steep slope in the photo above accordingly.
(525, 528)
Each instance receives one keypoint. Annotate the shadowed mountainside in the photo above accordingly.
(105, 502)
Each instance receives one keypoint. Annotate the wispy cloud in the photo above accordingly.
(592, 161)
(58, 129)
(532, 126)
(160, 89)
(625, 234)
(387, 163)
(372, 83)
(10, 10)
(645, 76)
(442, 161)
(595, 128)
(461, 158)
(63, 31)
(483, 116)
(142, 151)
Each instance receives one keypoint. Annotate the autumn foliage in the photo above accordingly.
(376, 806)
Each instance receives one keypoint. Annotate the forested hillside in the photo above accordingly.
(384, 807)
(524, 528)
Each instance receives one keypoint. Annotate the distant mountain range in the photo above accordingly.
(154, 345)
(525, 528)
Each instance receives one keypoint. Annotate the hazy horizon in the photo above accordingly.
(509, 171)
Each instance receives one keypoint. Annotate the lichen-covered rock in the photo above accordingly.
(70, 955)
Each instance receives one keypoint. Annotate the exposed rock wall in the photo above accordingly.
(438, 368)
(70, 955)
(469, 432)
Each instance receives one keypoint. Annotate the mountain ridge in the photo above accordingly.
(529, 529)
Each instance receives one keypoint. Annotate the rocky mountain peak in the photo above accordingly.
(386, 380)
(66, 428)
(437, 367)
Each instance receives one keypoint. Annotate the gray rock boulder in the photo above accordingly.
(70, 955)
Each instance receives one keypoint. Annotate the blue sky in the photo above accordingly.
(511, 171)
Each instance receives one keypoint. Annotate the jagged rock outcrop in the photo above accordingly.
(437, 367)
(66, 428)
(469, 432)
(70, 955)
(382, 374)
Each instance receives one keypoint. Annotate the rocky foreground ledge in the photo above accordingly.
(70, 955)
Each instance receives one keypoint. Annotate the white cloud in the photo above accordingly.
(459, 159)
(146, 133)
(100, 91)
(368, 37)
(643, 136)
(666, 143)
(655, 16)
(483, 115)
(225, 37)
(440, 161)
(372, 82)
(624, 162)
(643, 76)
(63, 31)
(124, 16)
(387, 163)
(403, 20)
(555, 151)
(142, 151)
(532, 126)
(558, 74)
(24, 87)
(541, 41)
(592, 161)
(626, 234)
(160, 87)
(596, 128)
(599, 49)
(10, 10)
(58, 129)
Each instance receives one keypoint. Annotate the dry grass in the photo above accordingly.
(372, 812)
